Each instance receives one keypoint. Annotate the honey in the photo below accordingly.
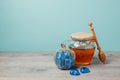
(83, 56)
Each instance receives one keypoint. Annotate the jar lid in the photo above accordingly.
(81, 36)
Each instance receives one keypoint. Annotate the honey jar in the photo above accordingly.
(83, 47)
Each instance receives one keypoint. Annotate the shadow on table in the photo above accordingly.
(96, 61)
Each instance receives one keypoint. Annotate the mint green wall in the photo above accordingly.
(41, 25)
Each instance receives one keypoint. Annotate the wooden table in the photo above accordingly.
(41, 66)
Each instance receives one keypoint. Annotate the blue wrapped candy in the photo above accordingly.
(74, 72)
(85, 70)
(64, 59)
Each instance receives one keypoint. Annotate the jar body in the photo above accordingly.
(84, 52)
(83, 56)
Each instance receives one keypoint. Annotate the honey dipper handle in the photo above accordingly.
(94, 35)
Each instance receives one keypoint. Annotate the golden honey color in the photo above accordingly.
(83, 56)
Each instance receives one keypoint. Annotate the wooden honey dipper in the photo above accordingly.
(101, 54)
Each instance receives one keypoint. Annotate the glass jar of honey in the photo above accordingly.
(83, 47)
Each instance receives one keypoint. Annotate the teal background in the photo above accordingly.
(41, 25)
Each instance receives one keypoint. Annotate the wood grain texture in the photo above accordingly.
(41, 66)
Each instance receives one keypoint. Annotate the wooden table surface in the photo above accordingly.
(41, 66)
